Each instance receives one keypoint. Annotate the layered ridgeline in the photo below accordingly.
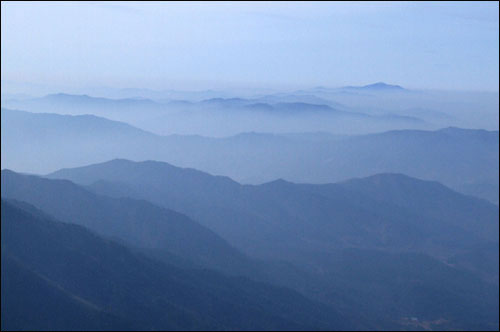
(281, 219)
(351, 109)
(222, 116)
(378, 263)
(59, 276)
(466, 160)
(150, 228)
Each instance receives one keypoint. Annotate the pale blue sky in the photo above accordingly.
(215, 45)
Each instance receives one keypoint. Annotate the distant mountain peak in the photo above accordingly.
(224, 100)
(380, 86)
(278, 182)
(67, 95)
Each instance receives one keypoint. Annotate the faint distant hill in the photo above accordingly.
(298, 98)
(284, 105)
(159, 95)
(81, 104)
(45, 124)
(379, 86)
(323, 91)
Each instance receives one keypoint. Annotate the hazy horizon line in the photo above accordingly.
(216, 87)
